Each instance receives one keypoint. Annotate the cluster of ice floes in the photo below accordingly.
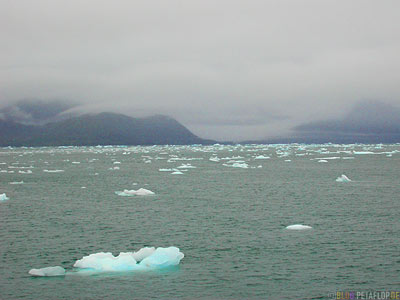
(343, 178)
(139, 192)
(148, 258)
(3, 197)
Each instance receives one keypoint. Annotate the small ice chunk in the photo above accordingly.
(343, 178)
(53, 171)
(298, 227)
(49, 271)
(25, 172)
(323, 160)
(186, 166)
(3, 197)
(139, 192)
(177, 173)
(215, 159)
(16, 182)
(262, 157)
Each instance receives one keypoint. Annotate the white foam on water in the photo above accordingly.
(343, 178)
(49, 271)
(298, 227)
(139, 192)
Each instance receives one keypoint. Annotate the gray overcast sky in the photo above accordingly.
(225, 69)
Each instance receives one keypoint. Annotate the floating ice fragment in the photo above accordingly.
(262, 157)
(139, 192)
(343, 178)
(53, 171)
(323, 160)
(186, 166)
(16, 182)
(177, 173)
(214, 159)
(237, 165)
(3, 197)
(298, 227)
(49, 271)
(148, 258)
(25, 172)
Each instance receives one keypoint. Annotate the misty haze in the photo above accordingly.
(199, 149)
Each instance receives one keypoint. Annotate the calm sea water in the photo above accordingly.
(228, 221)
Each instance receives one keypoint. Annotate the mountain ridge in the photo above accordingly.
(99, 129)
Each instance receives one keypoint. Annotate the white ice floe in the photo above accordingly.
(144, 259)
(237, 165)
(25, 172)
(343, 178)
(139, 192)
(186, 166)
(16, 182)
(298, 227)
(177, 173)
(49, 271)
(214, 159)
(323, 160)
(3, 197)
(53, 171)
(262, 157)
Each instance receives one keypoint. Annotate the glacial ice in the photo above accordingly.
(237, 165)
(49, 271)
(3, 197)
(343, 178)
(139, 192)
(214, 159)
(177, 173)
(53, 171)
(262, 157)
(186, 166)
(144, 259)
(16, 182)
(323, 160)
(298, 227)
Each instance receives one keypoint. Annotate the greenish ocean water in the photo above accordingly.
(228, 217)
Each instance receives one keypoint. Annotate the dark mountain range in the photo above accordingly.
(367, 122)
(99, 129)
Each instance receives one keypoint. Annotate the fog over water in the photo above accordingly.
(228, 70)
